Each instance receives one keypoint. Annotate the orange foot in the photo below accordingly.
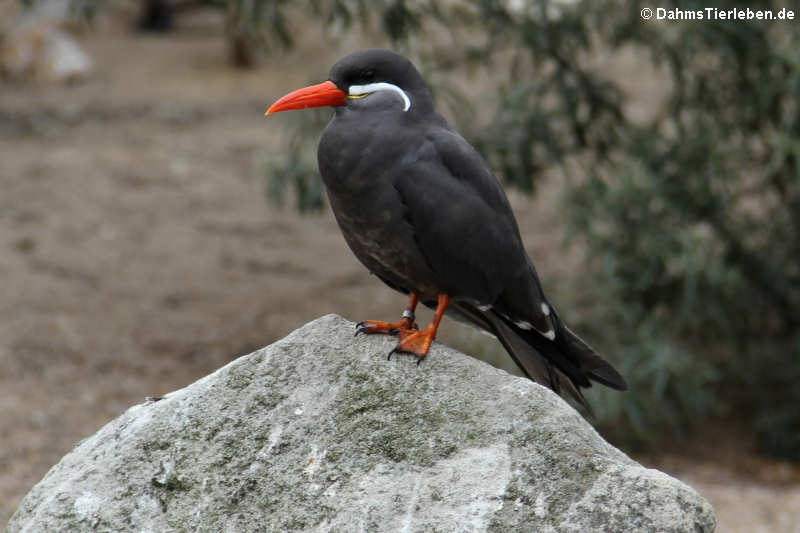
(415, 342)
(371, 327)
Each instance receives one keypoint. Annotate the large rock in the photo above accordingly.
(319, 432)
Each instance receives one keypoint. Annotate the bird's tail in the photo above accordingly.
(566, 363)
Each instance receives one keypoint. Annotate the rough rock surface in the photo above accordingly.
(319, 432)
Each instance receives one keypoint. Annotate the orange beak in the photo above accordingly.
(322, 95)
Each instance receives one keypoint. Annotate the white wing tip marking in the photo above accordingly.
(550, 335)
(545, 309)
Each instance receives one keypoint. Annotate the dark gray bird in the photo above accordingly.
(420, 208)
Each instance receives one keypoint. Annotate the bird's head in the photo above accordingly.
(368, 79)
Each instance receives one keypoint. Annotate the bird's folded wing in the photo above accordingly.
(465, 229)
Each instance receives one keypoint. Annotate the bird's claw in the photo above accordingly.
(399, 351)
(371, 327)
(359, 328)
(413, 342)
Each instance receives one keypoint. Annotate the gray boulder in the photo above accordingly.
(319, 432)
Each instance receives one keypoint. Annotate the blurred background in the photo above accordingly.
(154, 225)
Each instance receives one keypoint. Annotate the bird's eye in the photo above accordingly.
(368, 75)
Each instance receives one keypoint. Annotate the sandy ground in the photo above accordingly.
(138, 254)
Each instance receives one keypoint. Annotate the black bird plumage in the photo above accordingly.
(420, 208)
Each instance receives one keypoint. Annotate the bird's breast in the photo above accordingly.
(358, 165)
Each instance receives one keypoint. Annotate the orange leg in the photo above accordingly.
(370, 327)
(419, 342)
